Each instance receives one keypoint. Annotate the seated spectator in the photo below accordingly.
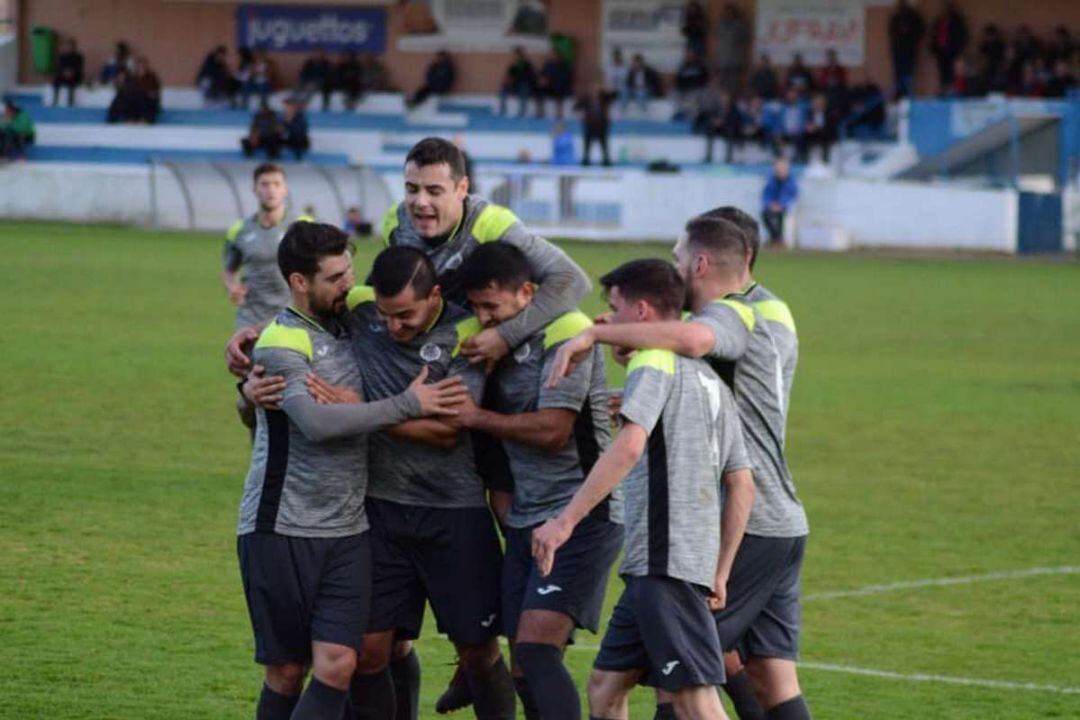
(1061, 47)
(265, 133)
(16, 131)
(777, 197)
(967, 81)
(1061, 82)
(375, 77)
(726, 120)
(799, 77)
(129, 103)
(556, 83)
(690, 79)
(355, 225)
(257, 81)
(1025, 45)
(764, 82)
(349, 79)
(519, 82)
(295, 128)
(615, 78)
(642, 82)
(121, 60)
(241, 78)
(792, 119)
(149, 96)
(1031, 82)
(213, 78)
(832, 80)
(562, 145)
(758, 124)
(316, 76)
(820, 130)
(867, 110)
(69, 72)
(438, 80)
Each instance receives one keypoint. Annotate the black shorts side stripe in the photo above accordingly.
(277, 461)
(658, 501)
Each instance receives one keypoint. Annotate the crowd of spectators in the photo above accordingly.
(270, 132)
(554, 81)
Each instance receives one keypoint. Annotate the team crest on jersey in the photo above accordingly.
(522, 353)
(430, 352)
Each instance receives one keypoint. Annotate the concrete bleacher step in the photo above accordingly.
(129, 155)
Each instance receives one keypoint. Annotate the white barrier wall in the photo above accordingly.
(79, 193)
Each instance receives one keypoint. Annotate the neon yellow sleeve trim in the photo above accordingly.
(492, 223)
(277, 335)
(359, 295)
(746, 313)
(466, 329)
(234, 230)
(662, 360)
(389, 224)
(565, 327)
(777, 311)
(304, 218)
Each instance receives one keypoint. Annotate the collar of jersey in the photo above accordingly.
(306, 318)
(438, 316)
(744, 291)
(443, 240)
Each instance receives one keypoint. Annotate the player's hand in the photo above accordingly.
(487, 347)
(614, 405)
(237, 293)
(264, 392)
(718, 596)
(326, 394)
(466, 412)
(238, 350)
(546, 540)
(569, 355)
(622, 355)
(438, 398)
(603, 318)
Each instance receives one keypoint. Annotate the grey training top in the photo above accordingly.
(403, 471)
(308, 469)
(755, 354)
(562, 283)
(252, 248)
(544, 482)
(673, 492)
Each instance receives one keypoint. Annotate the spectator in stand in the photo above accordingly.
(241, 78)
(948, 40)
(295, 128)
(349, 79)
(562, 145)
(265, 133)
(732, 47)
(992, 55)
(792, 119)
(820, 130)
(1061, 47)
(1026, 46)
(128, 104)
(799, 77)
(149, 91)
(316, 76)
(642, 82)
(726, 121)
(764, 82)
(355, 225)
(519, 82)
(1030, 83)
(69, 72)
(213, 78)
(906, 29)
(777, 197)
(695, 28)
(615, 79)
(375, 77)
(596, 122)
(832, 80)
(258, 80)
(556, 83)
(967, 80)
(16, 131)
(690, 79)
(867, 110)
(120, 60)
(1062, 81)
(758, 125)
(438, 80)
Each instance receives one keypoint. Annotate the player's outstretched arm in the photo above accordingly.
(738, 499)
(547, 430)
(427, 431)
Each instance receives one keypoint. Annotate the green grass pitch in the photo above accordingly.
(933, 434)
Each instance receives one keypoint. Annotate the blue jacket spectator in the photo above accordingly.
(777, 197)
(562, 145)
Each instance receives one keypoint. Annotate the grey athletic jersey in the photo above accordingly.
(307, 479)
(672, 494)
(251, 248)
(755, 354)
(403, 471)
(545, 482)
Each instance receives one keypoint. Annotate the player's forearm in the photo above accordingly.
(683, 338)
(738, 499)
(321, 423)
(610, 469)
(426, 431)
(562, 285)
(541, 430)
(229, 278)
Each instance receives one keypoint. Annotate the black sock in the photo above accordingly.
(320, 702)
(273, 705)
(741, 692)
(493, 691)
(664, 711)
(793, 709)
(406, 675)
(372, 696)
(528, 704)
(553, 689)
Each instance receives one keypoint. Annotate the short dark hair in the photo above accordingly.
(745, 222)
(497, 263)
(722, 239)
(435, 151)
(306, 243)
(399, 267)
(657, 282)
(265, 169)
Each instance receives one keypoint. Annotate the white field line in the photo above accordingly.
(942, 582)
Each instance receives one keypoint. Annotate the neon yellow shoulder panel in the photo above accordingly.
(234, 230)
(304, 217)
(662, 360)
(492, 223)
(359, 295)
(389, 223)
(465, 330)
(746, 313)
(566, 327)
(277, 335)
(777, 311)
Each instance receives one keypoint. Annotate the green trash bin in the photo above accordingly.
(43, 48)
(564, 46)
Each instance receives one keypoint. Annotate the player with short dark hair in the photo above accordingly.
(680, 446)
(552, 437)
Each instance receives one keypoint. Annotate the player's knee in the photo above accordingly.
(334, 664)
(546, 627)
(732, 663)
(605, 695)
(402, 648)
(775, 680)
(286, 679)
(478, 657)
(375, 655)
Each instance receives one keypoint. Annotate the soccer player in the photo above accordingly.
(553, 437)
(302, 540)
(748, 336)
(679, 447)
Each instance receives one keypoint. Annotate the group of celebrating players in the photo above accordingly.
(401, 424)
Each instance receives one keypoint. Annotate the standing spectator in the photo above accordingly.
(615, 78)
(792, 120)
(726, 121)
(820, 129)
(967, 80)
(695, 28)
(948, 39)
(16, 131)
(120, 60)
(149, 92)
(556, 82)
(265, 133)
(832, 80)
(213, 77)
(374, 76)
(764, 82)
(690, 80)
(69, 72)
(438, 79)
(596, 122)
(562, 145)
(520, 82)
(642, 82)
(992, 51)
(316, 76)
(799, 77)
(295, 128)
(732, 46)
(868, 107)
(1026, 45)
(349, 79)
(241, 78)
(906, 29)
(777, 198)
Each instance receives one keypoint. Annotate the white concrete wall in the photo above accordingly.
(79, 193)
